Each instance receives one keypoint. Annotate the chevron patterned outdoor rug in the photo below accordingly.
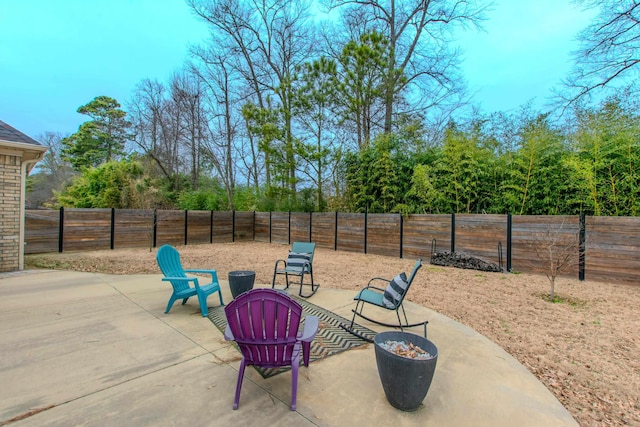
(331, 338)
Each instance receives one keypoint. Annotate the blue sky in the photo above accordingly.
(56, 55)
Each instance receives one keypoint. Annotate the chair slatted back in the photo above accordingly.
(169, 262)
(265, 324)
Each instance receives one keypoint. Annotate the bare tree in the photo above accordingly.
(221, 148)
(155, 120)
(269, 39)
(420, 60)
(609, 48)
(234, 37)
(187, 95)
(51, 174)
(557, 250)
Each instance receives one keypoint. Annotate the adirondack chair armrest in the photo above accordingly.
(182, 279)
(228, 335)
(310, 328)
(213, 273)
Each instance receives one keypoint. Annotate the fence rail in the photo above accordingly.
(610, 245)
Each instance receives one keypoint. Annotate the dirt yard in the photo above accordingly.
(585, 349)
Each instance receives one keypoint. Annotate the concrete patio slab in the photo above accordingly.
(96, 349)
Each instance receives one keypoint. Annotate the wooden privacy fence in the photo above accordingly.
(602, 248)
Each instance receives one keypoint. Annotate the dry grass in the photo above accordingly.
(584, 348)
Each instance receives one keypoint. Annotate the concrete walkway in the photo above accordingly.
(98, 350)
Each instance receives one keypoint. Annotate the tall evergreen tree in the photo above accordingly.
(360, 90)
(100, 140)
(314, 112)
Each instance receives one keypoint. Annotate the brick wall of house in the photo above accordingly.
(9, 212)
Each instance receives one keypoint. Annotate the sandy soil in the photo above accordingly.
(585, 349)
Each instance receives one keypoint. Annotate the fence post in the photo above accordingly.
(583, 246)
(254, 225)
(335, 233)
(401, 233)
(310, 226)
(509, 240)
(155, 227)
(186, 226)
(366, 214)
(233, 225)
(61, 230)
(211, 227)
(453, 232)
(289, 228)
(270, 226)
(113, 227)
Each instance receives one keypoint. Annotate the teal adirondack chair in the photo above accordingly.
(169, 262)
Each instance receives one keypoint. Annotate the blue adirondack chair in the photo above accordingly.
(264, 324)
(169, 262)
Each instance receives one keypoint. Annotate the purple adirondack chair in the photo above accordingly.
(264, 323)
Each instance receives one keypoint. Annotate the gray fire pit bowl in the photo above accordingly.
(405, 381)
(240, 281)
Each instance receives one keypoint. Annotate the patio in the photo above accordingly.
(97, 349)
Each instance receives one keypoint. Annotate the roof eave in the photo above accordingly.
(23, 146)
